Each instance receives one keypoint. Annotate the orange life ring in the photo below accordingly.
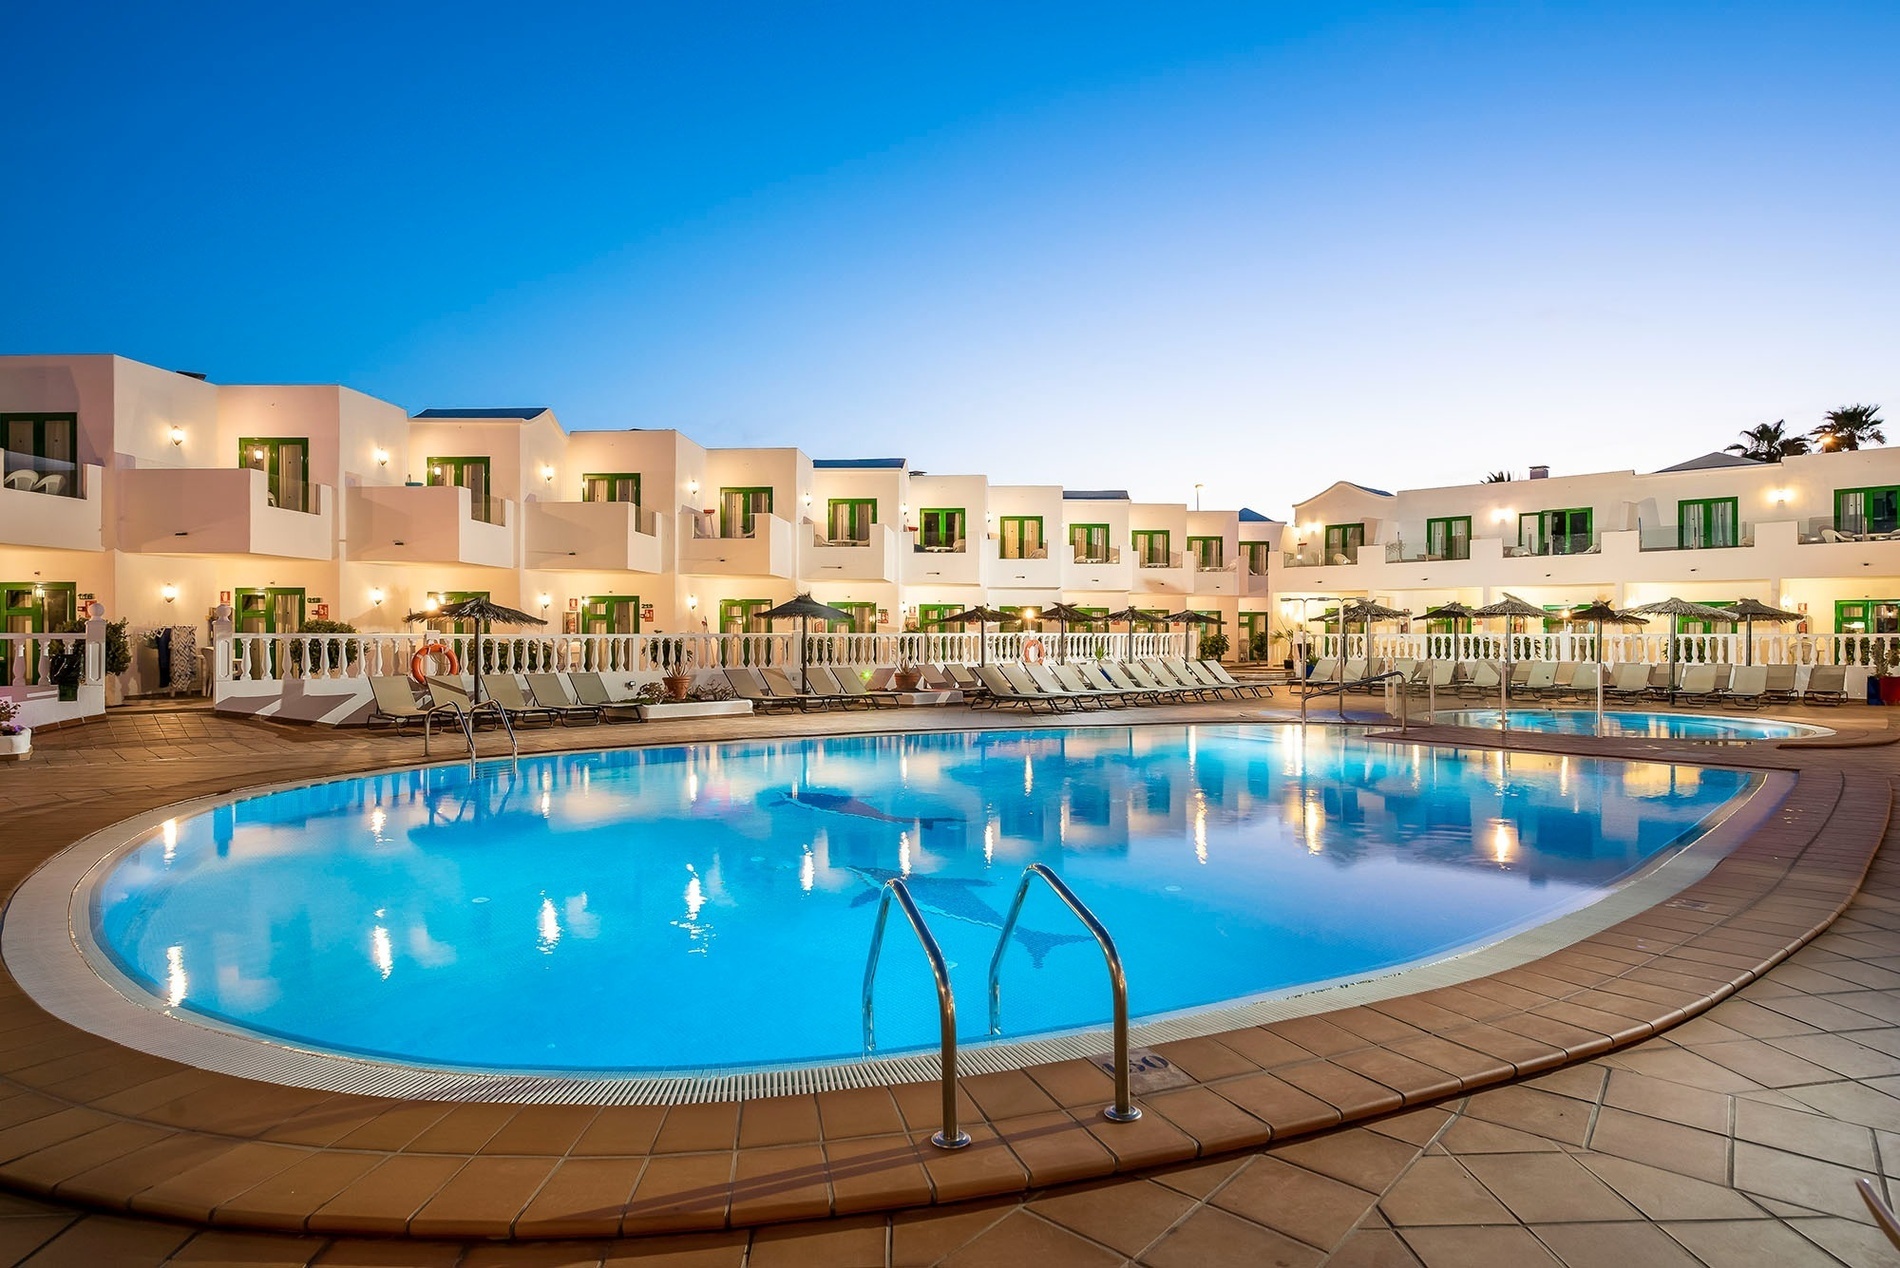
(417, 662)
(1032, 651)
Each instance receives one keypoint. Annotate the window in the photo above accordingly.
(470, 474)
(1867, 616)
(739, 510)
(1689, 625)
(1861, 511)
(42, 453)
(848, 521)
(1152, 621)
(1020, 537)
(1704, 523)
(1563, 532)
(1151, 547)
(940, 528)
(930, 616)
(1257, 555)
(285, 463)
(616, 486)
(269, 610)
(741, 616)
(1208, 552)
(610, 613)
(863, 619)
(1091, 543)
(1448, 538)
(1343, 542)
(1256, 636)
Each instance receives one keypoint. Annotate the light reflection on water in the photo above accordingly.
(711, 905)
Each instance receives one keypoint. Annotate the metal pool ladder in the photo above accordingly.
(951, 1137)
(1124, 1110)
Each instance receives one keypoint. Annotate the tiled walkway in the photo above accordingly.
(1732, 1139)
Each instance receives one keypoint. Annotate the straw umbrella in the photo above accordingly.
(1063, 613)
(1749, 611)
(805, 608)
(483, 612)
(1602, 613)
(1675, 609)
(1185, 617)
(1130, 615)
(1511, 608)
(982, 616)
(1453, 611)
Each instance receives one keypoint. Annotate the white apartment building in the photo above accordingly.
(1817, 534)
(164, 497)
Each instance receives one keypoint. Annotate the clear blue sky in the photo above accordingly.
(1255, 246)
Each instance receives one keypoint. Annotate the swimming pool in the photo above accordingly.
(708, 908)
(1623, 724)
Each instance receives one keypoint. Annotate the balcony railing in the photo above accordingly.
(1562, 544)
(1098, 555)
(1404, 552)
(1170, 560)
(1868, 528)
(1669, 537)
(30, 473)
(1024, 552)
(958, 547)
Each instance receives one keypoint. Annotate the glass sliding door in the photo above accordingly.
(941, 529)
(1020, 537)
(739, 510)
(610, 613)
(1343, 542)
(34, 607)
(1707, 523)
(42, 453)
(1448, 538)
(849, 521)
(470, 474)
(621, 486)
(285, 463)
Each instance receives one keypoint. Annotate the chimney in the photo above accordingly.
(1540, 473)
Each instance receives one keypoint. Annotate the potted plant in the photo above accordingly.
(66, 664)
(1212, 647)
(16, 741)
(678, 678)
(1885, 660)
(118, 659)
(910, 675)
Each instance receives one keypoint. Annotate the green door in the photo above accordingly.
(739, 508)
(610, 614)
(271, 610)
(1090, 542)
(850, 519)
(741, 616)
(35, 607)
(1343, 542)
(285, 463)
(1020, 537)
(470, 474)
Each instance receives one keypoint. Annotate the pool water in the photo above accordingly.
(709, 907)
(1623, 724)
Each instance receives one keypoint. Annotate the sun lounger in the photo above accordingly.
(1001, 691)
(782, 686)
(1781, 679)
(831, 685)
(858, 688)
(1747, 687)
(1630, 682)
(1117, 676)
(1696, 685)
(1217, 673)
(1097, 676)
(1189, 687)
(1582, 682)
(505, 690)
(1142, 674)
(550, 692)
(1433, 675)
(590, 689)
(1827, 684)
(1026, 683)
(395, 702)
(748, 685)
(1321, 673)
(1481, 680)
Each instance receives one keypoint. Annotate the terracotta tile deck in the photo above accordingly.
(1731, 1138)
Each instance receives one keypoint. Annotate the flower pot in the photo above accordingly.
(909, 679)
(1889, 690)
(69, 691)
(16, 748)
(677, 685)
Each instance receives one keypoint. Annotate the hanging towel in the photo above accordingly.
(162, 640)
(184, 667)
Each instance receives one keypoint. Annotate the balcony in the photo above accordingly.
(593, 537)
(1172, 573)
(875, 558)
(37, 511)
(220, 511)
(1228, 578)
(429, 524)
(1029, 568)
(1831, 532)
(1563, 544)
(1104, 568)
(1669, 537)
(770, 550)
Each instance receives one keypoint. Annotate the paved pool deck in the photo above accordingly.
(1699, 1084)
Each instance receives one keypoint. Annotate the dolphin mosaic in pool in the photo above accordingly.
(708, 907)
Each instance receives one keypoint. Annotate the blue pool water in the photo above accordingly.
(710, 906)
(1636, 725)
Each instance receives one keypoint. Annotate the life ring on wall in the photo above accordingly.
(1032, 651)
(418, 662)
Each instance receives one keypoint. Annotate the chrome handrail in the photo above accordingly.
(1340, 688)
(461, 720)
(951, 1137)
(1124, 1109)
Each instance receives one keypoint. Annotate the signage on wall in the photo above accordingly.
(319, 611)
(573, 605)
(883, 616)
(646, 613)
(224, 596)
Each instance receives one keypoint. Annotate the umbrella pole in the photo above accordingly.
(804, 684)
(1748, 643)
(1675, 638)
(1599, 678)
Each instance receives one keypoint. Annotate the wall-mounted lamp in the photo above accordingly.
(382, 457)
(257, 454)
(1780, 495)
(692, 602)
(376, 596)
(1500, 516)
(435, 471)
(177, 435)
(808, 499)
(546, 599)
(547, 473)
(168, 592)
(692, 486)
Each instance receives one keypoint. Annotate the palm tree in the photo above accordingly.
(1848, 428)
(1769, 442)
(1497, 477)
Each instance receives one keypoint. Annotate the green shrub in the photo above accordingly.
(1214, 646)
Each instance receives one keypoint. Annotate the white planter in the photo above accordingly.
(16, 748)
(694, 709)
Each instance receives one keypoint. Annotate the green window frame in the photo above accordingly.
(610, 613)
(941, 528)
(1151, 621)
(1564, 531)
(1020, 537)
(1258, 555)
(739, 509)
(1343, 543)
(1874, 509)
(741, 616)
(1448, 537)
(1089, 543)
(1210, 553)
(929, 614)
(42, 453)
(1153, 547)
(471, 474)
(863, 618)
(1867, 616)
(611, 486)
(285, 462)
(35, 607)
(850, 520)
(1708, 523)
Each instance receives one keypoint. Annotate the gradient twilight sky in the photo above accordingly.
(1261, 247)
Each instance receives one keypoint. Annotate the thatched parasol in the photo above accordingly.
(982, 616)
(1063, 614)
(484, 612)
(1675, 609)
(1749, 611)
(1602, 613)
(1511, 608)
(806, 609)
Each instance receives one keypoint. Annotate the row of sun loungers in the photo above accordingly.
(1742, 686)
(550, 698)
